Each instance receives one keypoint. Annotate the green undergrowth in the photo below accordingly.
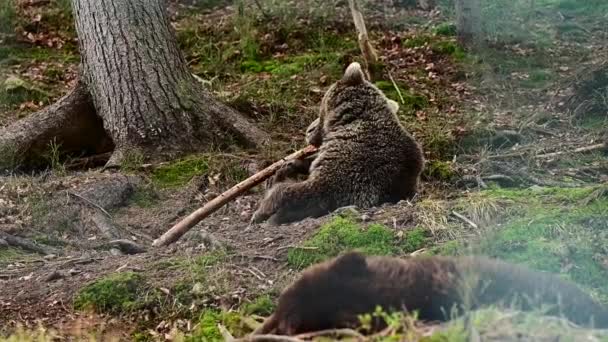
(439, 170)
(179, 172)
(11, 254)
(407, 100)
(235, 321)
(114, 294)
(558, 230)
(343, 234)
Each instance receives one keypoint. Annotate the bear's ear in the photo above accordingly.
(350, 264)
(353, 75)
(394, 106)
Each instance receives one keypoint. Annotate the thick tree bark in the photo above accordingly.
(468, 16)
(136, 82)
(140, 83)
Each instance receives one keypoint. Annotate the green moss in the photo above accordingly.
(208, 330)
(262, 305)
(439, 170)
(343, 234)
(180, 172)
(115, 294)
(293, 65)
(445, 29)
(449, 48)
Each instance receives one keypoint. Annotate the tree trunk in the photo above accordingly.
(468, 17)
(136, 81)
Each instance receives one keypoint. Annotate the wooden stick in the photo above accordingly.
(184, 225)
(577, 150)
(368, 52)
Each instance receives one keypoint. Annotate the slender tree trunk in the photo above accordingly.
(468, 16)
(136, 81)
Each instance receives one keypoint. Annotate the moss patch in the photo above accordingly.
(208, 330)
(262, 306)
(445, 29)
(10, 254)
(115, 294)
(342, 234)
(449, 48)
(180, 172)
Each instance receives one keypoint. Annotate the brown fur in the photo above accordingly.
(331, 294)
(366, 157)
(299, 167)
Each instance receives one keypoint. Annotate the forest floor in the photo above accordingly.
(514, 136)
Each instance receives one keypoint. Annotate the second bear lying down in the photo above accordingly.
(332, 294)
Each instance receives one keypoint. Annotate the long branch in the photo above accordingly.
(191, 220)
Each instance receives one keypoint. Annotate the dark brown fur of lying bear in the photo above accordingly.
(332, 294)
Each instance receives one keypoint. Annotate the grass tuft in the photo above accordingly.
(114, 294)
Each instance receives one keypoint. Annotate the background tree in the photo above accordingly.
(135, 93)
(468, 17)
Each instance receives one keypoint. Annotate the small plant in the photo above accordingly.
(446, 29)
(439, 170)
(114, 294)
(262, 306)
(9, 157)
(132, 160)
(54, 157)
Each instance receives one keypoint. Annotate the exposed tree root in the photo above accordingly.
(19, 242)
(71, 123)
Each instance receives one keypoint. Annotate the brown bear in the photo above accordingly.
(365, 158)
(332, 294)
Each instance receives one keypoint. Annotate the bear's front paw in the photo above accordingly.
(259, 216)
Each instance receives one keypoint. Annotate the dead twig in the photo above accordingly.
(465, 219)
(263, 257)
(254, 274)
(191, 220)
(576, 150)
(88, 201)
(297, 247)
(332, 332)
(268, 338)
(225, 333)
